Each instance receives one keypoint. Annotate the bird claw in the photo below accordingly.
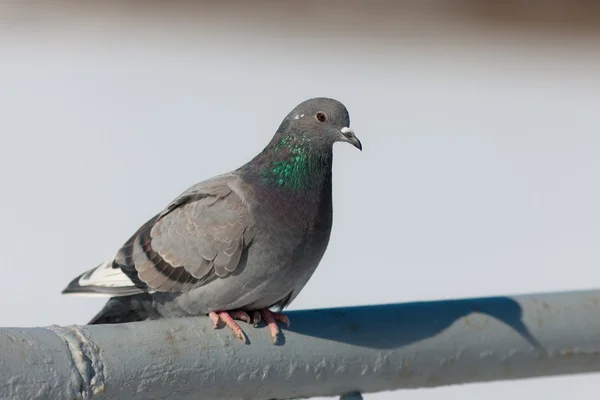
(240, 315)
(282, 318)
(271, 318)
(227, 318)
(214, 318)
(256, 318)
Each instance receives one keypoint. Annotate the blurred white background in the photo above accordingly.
(481, 135)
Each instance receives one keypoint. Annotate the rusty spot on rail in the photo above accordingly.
(473, 324)
(568, 352)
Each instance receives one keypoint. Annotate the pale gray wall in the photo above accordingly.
(479, 174)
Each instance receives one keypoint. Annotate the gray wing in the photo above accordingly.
(199, 237)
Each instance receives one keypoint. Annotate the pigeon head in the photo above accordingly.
(321, 122)
(299, 157)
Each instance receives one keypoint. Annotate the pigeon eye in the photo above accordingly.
(321, 117)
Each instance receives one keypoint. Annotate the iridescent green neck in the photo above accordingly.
(294, 164)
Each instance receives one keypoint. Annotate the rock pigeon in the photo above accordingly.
(239, 246)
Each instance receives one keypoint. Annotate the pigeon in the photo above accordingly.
(239, 246)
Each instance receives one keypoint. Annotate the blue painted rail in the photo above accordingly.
(324, 352)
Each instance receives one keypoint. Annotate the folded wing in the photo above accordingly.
(199, 237)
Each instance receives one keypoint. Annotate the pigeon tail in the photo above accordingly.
(123, 309)
(105, 280)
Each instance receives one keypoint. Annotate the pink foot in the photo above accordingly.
(265, 314)
(270, 318)
(228, 319)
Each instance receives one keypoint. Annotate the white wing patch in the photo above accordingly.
(106, 276)
(92, 295)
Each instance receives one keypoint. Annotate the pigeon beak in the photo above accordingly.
(350, 137)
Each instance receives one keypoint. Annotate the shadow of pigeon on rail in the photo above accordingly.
(408, 323)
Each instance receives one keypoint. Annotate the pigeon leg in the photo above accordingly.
(270, 318)
(227, 318)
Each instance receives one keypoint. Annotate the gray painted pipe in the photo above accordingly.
(324, 353)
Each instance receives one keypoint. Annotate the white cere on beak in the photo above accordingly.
(346, 129)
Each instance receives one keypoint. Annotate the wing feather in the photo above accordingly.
(200, 236)
(195, 240)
